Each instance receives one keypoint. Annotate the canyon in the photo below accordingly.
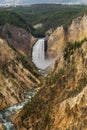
(61, 102)
(16, 75)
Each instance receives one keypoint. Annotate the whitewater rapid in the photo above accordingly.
(39, 56)
(6, 113)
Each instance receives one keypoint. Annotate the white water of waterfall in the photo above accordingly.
(38, 55)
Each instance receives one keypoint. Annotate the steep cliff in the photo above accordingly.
(18, 38)
(16, 75)
(56, 43)
(78, 29)
(62, 103)
(60, 38)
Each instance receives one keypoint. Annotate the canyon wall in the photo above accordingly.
(62, 103)
(16, 75)
(60, 38)
(18, 38)
(78, 29)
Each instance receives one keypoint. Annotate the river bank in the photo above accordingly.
(6, 113)
(42, 63)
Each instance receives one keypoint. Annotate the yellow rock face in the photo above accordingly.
(14, 77)
(59, 39)
(78, 29)
(56, 43)
(70, 113)
(1, 127)
(63, 105)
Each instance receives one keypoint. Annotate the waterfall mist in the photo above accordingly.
(38, 55)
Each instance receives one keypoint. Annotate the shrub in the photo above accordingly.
(69, 50)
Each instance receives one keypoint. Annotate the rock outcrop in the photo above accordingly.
(62, 103)
(18, 38)
(16, 75)
(1, 127)
(57, 43)
(60, 38)
(78, 29)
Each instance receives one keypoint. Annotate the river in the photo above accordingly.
(6, 113)
(41, 62)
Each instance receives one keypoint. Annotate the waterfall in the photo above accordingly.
(38, 55)
(38, 51)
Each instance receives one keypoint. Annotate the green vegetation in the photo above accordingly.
(32, 109)
(38, 33)
(53, 79)
(42, 106)
(50, 15)
(4, 69)
(32, 79)
(69, 50)
(12, 18)
(9, 34)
